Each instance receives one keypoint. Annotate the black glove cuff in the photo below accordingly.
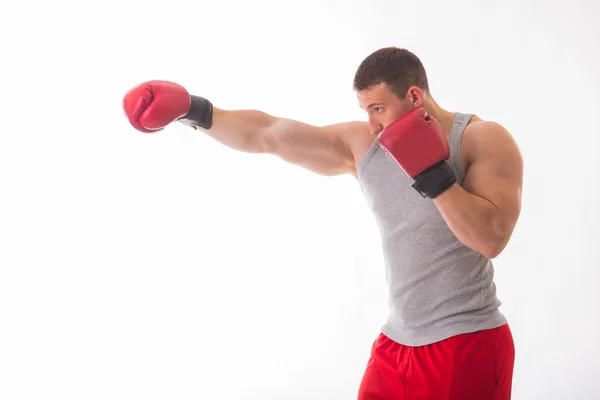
(435, 180)
(200, 113)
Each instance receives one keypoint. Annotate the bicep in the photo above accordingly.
(496, 170)
(323, 150)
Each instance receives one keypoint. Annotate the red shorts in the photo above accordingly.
(472, 366)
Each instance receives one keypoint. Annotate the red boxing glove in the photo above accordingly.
(152, 105)
(416, 142)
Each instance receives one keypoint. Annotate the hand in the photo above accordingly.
(416, 142)
(152, 105)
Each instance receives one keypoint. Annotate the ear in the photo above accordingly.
(415, 96)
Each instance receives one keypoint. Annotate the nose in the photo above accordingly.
(375, 127)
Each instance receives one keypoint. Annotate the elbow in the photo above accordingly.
(497, 239)
(493, 248)
(491, 252)
(490, 248)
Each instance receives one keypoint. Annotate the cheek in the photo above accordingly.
(393, 115)
(389, 118)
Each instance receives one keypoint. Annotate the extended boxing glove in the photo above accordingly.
(416, 142)
(152, 105)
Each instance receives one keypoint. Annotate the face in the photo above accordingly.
(383, 106)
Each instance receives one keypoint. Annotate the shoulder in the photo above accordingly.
(494, 161)
(354, 134)
(356, 139)
(488, 139)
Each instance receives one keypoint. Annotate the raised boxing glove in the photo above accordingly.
(416, 142)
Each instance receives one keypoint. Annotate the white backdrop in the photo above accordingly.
(168, 266)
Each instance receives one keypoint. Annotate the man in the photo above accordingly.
(445, 188)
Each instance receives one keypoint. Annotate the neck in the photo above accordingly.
(444, 117)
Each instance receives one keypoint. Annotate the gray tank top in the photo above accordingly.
(438, 287)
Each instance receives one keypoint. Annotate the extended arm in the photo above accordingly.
(321, 149)
(153, 105)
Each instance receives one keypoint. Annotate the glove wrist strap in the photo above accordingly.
(200, 113)
(435, 180)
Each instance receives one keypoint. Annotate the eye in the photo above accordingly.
(378, 109)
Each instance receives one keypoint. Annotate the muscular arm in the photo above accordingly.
(153, 105)
(323, 150)
(484, 211)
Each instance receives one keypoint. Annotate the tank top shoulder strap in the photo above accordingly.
(455, 142)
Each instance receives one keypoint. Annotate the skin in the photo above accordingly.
(482, 213)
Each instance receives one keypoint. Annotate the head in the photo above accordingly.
(388, 83)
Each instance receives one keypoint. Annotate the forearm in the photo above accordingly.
(242, 130)
(475, 221)
(318, 149)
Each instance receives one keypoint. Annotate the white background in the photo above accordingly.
(167, 266)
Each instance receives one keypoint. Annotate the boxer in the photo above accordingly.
(445, 190)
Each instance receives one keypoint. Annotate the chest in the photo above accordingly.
(388, 190)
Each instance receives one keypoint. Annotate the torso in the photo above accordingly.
(438, 286)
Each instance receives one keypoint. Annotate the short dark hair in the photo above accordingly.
(398, 68)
